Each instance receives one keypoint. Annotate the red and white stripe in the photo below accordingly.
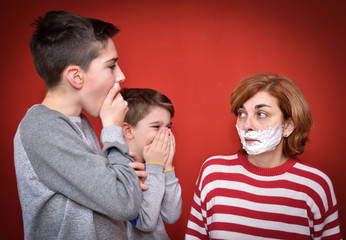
(234, 200)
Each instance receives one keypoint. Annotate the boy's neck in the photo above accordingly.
(62, 102)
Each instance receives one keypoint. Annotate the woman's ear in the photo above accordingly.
(74, 76)
(128, 130)
(288, 128)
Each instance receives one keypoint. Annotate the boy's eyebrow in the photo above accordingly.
(112, 60)
(160, 122)
(155, 122)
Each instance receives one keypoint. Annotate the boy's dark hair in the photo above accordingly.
(63, 39)
(141, 100)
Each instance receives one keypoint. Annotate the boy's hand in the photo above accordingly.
(169, 163)
(114, 108)
(141, 173)
(158, 150)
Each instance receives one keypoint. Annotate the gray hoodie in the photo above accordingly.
(68, 188)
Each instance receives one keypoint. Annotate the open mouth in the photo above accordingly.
(251, 140)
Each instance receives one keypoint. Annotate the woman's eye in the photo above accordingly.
(241, 114)
(262, 115)
(156, 126)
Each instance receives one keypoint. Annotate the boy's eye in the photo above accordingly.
(112, 66)
(156, 126)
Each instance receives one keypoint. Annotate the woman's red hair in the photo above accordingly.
(291, 102)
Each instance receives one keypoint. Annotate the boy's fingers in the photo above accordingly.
(157, 139)
(165, 139)
(172, 138)
(137, 166)
(112, 93)
(116, 86)
(144, 187)
(142, 174)
(110, 96)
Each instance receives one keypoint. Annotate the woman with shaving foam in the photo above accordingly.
(264, 191)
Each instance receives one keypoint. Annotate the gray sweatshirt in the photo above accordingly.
(161, 203)
(68, 188)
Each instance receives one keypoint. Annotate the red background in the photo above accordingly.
(195, 52)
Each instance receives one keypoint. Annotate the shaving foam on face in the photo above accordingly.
(265, 141)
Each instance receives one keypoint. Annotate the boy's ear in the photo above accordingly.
(127, 129)
(288, 128)
(74, 75)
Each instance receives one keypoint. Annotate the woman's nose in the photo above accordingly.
(248, 125)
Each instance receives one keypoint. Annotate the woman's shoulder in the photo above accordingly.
(313, 177)
(223, 157)
(220, 158)
(308, 169)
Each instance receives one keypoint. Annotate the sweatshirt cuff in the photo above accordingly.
(112, 134)
(154, 167)
(114, 146)
(170, 174)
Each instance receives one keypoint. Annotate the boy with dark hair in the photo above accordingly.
(68, 187)
(147, 132)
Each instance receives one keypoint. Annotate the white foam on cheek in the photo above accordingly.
(267, 140)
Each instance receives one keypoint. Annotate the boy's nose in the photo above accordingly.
(119, 76)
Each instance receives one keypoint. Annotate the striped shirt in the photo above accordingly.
(236, 200)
